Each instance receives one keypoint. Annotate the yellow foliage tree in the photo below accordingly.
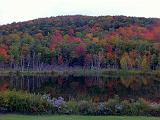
(144, 63)
(125, 61)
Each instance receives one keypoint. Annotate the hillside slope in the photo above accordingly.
(118, 42)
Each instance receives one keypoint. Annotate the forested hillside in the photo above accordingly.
(117, 42)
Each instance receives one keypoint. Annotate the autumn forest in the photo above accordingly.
(109, 42)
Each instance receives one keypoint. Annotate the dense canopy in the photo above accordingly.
(117, 42)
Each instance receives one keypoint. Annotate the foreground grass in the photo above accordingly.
(71, 117)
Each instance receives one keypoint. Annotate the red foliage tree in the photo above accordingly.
(3, 52)
(57, 38)
(135, 32)
(110, 52)
(156, 32)
(80, 50)
(4, 86)
(71, 32)
(88, 59)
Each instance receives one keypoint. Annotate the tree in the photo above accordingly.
(159, 60)
(125, 61)
(39, 36)
(3, 52)
(80, 50)
(57, 38)
(154, 61)
(144, 63)
(88, 60)
(105, 41)
(60, 60)
(3, 55)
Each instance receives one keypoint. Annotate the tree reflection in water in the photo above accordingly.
(95, 88)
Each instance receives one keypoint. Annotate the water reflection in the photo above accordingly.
(84, 87)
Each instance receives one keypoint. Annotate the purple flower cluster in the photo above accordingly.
(56, 102)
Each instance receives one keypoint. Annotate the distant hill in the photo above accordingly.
(106, 41)
(84, 24)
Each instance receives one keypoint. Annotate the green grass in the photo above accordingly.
(72, 117)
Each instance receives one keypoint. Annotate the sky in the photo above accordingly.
(23, 10)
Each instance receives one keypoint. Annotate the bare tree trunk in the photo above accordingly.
(33, 61)
(22, 63)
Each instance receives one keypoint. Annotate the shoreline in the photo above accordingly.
(81, 72)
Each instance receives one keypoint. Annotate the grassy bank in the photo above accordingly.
(82, 72)
(27, 117)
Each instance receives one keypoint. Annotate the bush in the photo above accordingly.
(153, 112)
(58, 103)
(126, 107)
(103, 110)
(154, 109)
(83, 107)
(87, 108)
(72, 107)
(22, 102)
(114, 105)
(140, 107)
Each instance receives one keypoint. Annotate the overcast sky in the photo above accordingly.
(22, 10)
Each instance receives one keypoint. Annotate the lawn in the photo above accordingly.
(63, 117)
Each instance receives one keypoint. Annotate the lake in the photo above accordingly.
(95, 88)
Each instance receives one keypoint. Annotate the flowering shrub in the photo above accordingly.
(103, 110)
(58, 103)
(22, 102)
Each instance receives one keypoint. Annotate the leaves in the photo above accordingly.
(106, 41)
(3, 53)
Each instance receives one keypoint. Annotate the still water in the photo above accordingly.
(95, 88)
